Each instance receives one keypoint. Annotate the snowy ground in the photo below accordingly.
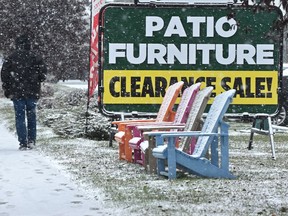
(33, 185)
(260, 187)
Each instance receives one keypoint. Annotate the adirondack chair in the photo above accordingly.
(181, 116)
(193, 123)
(165, 113)
(197, 163)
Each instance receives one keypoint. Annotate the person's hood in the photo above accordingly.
(23, 42)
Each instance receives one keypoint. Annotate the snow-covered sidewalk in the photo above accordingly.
(30, 185)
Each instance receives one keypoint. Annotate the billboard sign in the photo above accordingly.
(145, 49)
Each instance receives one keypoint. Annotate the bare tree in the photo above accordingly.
(59, 31)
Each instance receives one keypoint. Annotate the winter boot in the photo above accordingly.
(22, 147)
(31, 145)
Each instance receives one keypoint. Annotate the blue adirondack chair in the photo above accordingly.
(197, 163)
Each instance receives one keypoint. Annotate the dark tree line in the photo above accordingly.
(59, 31)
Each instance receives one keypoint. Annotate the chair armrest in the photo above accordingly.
(160, 127)
(133, 121)
(147, 124)
(189, 133)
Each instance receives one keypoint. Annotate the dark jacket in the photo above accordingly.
(22, 72)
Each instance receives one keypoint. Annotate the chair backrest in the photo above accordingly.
(212, 121)
(194, 119)
(166, 108)
(186, 102)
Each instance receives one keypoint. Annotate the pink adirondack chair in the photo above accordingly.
(165, 113)
(181, 116)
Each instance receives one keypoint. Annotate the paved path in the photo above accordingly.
(31, 186)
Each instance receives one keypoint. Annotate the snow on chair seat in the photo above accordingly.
(143, 146)
(119, 137)
(197, 163)
(160, 152)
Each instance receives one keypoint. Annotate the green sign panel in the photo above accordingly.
(145, 49)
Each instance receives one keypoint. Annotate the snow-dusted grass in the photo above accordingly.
(260, 187)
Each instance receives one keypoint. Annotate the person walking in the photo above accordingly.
(22, 73)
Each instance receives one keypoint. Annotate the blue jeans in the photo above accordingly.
(25, 107)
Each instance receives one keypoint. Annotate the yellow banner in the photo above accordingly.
(148, 86)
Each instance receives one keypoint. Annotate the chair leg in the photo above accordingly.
(145, 157)
(271, 135)
(151, 160)
(224, 148)
(214, 152)
(160, 166)
(128, 150)
(121, 151)
(137, 156)
(171, 158)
